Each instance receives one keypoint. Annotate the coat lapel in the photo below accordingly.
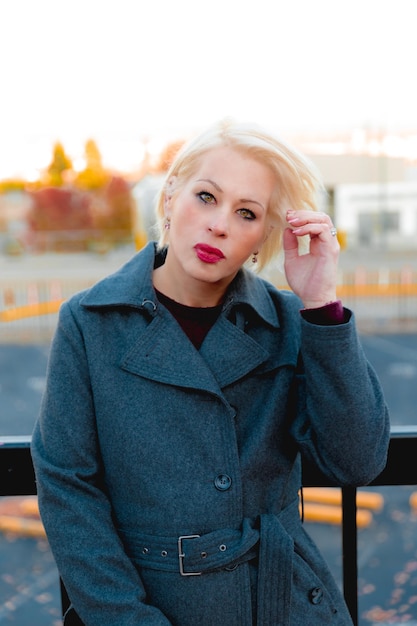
(227, 354)
(151, 357)
(230, 353)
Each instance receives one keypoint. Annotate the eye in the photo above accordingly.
(247, 214)
(206, 197)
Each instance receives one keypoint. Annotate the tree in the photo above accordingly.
(114, 214)
(167, 156)
(93, 176)
(60, 163)
(57, 215)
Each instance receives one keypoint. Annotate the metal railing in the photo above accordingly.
(17, 478)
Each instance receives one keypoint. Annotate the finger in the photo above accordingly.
(312, 223)
(326, 232)
(304, 215)
(290, 241)
(300, 218)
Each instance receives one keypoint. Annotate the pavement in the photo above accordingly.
(29, 582)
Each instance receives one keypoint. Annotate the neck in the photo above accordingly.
(187, 290)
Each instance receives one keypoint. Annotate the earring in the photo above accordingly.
(255, 257)
(167, 224)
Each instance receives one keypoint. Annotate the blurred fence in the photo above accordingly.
(29, 308)
(383, 300)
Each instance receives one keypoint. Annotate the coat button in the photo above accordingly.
(222, 482)
(316, 595)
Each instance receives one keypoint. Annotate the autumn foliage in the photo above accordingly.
(167, 156)
(76, 210)
(55, 208)
(59, 165)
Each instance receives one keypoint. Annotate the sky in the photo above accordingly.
(125, 72)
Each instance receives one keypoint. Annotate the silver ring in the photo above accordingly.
(333, 232)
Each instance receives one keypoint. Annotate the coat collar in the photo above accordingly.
(132, 286)
(227, 353)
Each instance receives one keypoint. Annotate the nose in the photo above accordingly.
(219, 223)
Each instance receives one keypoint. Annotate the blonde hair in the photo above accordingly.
(297, 181)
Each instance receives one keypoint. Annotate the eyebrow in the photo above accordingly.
(216, 186)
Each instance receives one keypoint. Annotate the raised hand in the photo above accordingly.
(312, 276)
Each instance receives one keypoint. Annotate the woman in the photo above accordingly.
(182, 392)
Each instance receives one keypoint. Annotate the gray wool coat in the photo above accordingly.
(168, 477)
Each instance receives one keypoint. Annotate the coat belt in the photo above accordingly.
(191, 555)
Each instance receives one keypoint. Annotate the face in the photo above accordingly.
(218, 218)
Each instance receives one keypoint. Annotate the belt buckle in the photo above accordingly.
(181, 555)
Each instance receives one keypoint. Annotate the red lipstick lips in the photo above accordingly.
(207, 254)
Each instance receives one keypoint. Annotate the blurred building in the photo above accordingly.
(372, 199)
(340, 169)
(382, 215)
(14, 207)
(145, 193)
(370, 175)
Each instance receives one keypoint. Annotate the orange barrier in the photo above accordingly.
(333, 514)
(20, 516)
(21, 526)
(324, 504)
(333, 495)
(413, 500)
(30, 310)
(29, 506)
(376, 290)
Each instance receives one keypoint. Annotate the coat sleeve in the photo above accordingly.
(342, 421)
(103, 584)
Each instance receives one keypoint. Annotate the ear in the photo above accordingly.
(169, 191)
